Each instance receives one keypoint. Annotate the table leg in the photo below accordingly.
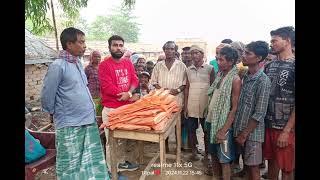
(140, 146)
(162, 152)
(113, 155)
(178, 130)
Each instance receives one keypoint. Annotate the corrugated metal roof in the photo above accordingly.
(38, 61)
(102, 46)
(36, 50)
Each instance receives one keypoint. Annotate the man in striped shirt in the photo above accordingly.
(249, 124)
(170, 74)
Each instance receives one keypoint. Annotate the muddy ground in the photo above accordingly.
(190, 170)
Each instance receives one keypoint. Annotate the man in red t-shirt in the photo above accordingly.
(118, 79)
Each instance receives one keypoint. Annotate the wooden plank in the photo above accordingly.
(168, 125)
(45, 127)
(150, 154)
(152, 136)
(147, 169)
(162, 152)
(170, 130)
(140, 146)
(171, 122)
(113, 158)
(171, 156)
(123, 134)
(178, 131)
(168, 156)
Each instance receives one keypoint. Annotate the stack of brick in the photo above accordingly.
(38, 55)
(34, 76)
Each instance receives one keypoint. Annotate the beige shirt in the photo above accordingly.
(172, 79)
(199, 81)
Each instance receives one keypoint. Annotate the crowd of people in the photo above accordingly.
(244, 100)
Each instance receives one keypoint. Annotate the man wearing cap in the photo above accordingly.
(145, 86)
(199, 77)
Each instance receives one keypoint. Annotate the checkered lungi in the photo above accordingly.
(80, 154)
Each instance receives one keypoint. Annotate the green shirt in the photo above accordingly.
(214, 63)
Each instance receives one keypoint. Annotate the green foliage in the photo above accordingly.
(82, 24)
(120, 22)
(99, 29)
(71, 7)
(99, 107)
(36, 11)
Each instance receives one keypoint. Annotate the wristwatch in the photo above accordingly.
(179, 90)
(130, 94)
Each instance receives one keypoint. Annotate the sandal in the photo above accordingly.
(236, 169)
(265, 175)
(240, 174)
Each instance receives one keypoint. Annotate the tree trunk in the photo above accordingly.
(54, 26)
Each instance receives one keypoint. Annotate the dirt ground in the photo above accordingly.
(190, 170)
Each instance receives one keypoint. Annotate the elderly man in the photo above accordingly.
(170, 74)
(65, 95)
(92, 74)
(199, 78)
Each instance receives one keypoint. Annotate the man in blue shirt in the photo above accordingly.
(66, 97)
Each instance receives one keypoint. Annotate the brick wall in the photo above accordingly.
(33, 81)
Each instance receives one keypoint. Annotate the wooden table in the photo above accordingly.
(151, 136)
